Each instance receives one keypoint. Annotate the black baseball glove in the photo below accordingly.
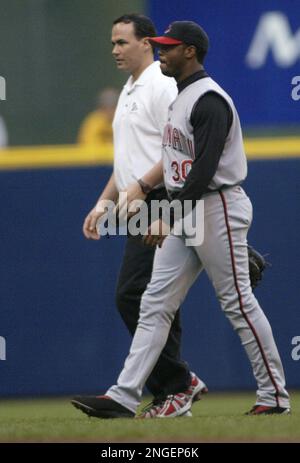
(257, 265)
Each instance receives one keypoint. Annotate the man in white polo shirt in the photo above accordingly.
(137, 129)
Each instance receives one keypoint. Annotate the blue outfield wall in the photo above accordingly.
(63, 334)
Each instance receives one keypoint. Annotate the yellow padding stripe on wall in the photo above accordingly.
(76, 155)
(55, 156)
(265, 148)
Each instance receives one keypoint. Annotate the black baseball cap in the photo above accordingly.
(187, 32)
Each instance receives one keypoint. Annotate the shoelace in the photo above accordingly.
(153, 403)
(175, 398)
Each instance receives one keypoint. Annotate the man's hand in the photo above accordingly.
(157, 232)
(89, 226)
(126, 197)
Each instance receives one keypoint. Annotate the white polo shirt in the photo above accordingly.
(138, 125)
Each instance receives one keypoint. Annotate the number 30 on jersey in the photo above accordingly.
(181, 169)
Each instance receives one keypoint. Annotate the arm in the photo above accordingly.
(155, 176)
(140, 189)
(110, 192)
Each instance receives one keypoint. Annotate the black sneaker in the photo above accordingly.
(101, 407)
(265, 410)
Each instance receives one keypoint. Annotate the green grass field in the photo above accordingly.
(216, 418)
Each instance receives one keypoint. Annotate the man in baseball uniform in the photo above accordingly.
(203, 132)
(138, 124)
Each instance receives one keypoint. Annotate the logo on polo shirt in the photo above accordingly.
(134, 107)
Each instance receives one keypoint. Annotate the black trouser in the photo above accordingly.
(171, 374)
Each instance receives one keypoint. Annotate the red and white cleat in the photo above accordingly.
(197, 388)
(176, 405)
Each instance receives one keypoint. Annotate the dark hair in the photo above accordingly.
(143, 26)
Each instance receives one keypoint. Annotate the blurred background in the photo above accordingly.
(59, 329)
